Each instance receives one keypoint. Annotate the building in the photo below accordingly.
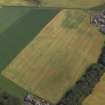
(35, 100)
(102, 29)
(95, 19)
(99, 21)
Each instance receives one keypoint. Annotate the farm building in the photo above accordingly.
(95, 19)
(99, 20)
(31, 100)
(102, 28)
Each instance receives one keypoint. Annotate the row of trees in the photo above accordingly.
(85, 85)
(101, 59)
(7, 99)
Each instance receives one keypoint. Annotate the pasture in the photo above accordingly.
(98, 95)
(55, 59)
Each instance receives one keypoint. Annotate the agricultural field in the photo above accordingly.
(56, 58)
(18, 26)
(14, 2)
(72, 3)
(18, 29)
(98, 95)
(55, 3)
(11, 17)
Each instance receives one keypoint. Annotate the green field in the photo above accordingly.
(57, 57)
(12, 88)
(19, 31)
(19, 25)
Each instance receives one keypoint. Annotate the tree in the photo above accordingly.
(6, 99)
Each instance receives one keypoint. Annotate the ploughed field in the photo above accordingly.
(55, 59)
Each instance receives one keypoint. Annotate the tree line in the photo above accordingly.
(85, 85)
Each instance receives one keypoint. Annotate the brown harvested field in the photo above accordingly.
(98, 95)
(56, 58)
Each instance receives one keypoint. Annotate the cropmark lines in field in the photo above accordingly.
(56, 58)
